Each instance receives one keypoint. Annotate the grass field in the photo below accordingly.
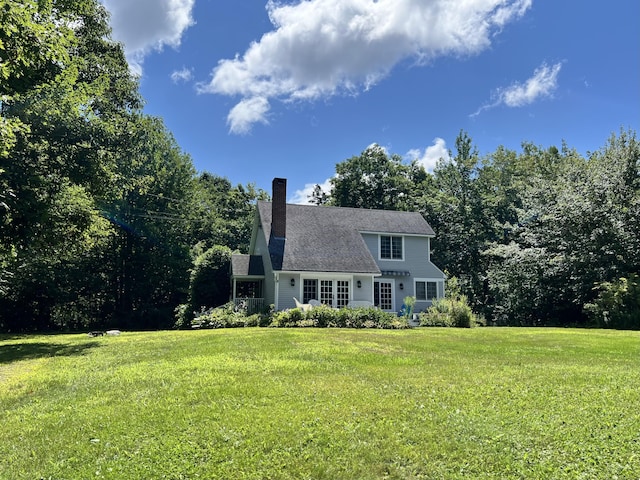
(322, 404)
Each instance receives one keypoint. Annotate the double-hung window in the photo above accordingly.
(426, 290)
(390, 247)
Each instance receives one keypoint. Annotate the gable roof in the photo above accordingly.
(247, 265)
(329, 239)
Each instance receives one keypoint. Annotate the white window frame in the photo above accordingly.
(437, 281)
(380, 257)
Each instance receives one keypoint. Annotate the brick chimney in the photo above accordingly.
(279, 208)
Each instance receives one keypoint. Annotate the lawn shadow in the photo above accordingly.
(31, 351)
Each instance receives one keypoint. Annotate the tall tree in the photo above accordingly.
(577, 228)
(147, 205)
(455, 210)
(64, 85)
(222, 214)
(374, 179)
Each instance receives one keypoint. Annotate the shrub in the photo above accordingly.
(409, 303)
(450, 312)
(437, 315)
(324, 316)
(321, 316)
(230, 316)
(617, 304)
(227, 316)
(181, 315)
(287, 318)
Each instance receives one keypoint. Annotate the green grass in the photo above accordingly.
(322, 404)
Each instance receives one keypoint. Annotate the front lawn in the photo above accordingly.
(260, 403)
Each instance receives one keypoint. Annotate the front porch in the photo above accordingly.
(250, 305)
(247, 276)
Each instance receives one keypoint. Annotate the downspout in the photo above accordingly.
(276, 280)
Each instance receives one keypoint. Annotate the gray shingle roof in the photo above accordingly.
(328, 239)
(246, 265)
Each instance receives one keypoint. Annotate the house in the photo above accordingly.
(338, 256)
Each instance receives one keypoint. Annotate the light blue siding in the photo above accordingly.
(286, 292)
(416, 260)
(365, 292)
(269, 284)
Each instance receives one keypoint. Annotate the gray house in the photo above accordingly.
(337, 256)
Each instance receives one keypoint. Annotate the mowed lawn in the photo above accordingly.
(260, 403)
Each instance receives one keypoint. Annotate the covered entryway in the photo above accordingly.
(247, 277)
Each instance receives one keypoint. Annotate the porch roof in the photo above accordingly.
(247, 266)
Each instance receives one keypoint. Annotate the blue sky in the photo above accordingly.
(254, 89)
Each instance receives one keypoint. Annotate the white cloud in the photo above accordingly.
(146, 25)
(320, 48)
(301, 197)
(542, 84)
(183, 75)
(431, 155)
(246, 113)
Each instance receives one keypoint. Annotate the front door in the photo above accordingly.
(383, 294)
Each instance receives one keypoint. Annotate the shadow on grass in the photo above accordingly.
(31, 351)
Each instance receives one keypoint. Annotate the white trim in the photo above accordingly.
(307, 273)
(398, 234)
(326, 276)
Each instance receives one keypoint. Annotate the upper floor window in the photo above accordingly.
(390, 247)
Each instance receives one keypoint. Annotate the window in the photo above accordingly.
(309, 290)
(383, 295)
(390, 247)
(248, 289)
(426, 290)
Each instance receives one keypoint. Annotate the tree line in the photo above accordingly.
(104, 221)
(101, 213)
(544, 236)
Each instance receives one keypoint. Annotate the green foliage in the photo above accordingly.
(34, 44)
(409, 302)
(323, 316)
(577, 227)
(221, 214)
(451, 311)
(617, 304)
(228, 316)
(209, 285)
(374, 179)
(454, 208)
(99, 207)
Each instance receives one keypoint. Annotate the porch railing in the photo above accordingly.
(252, 305)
